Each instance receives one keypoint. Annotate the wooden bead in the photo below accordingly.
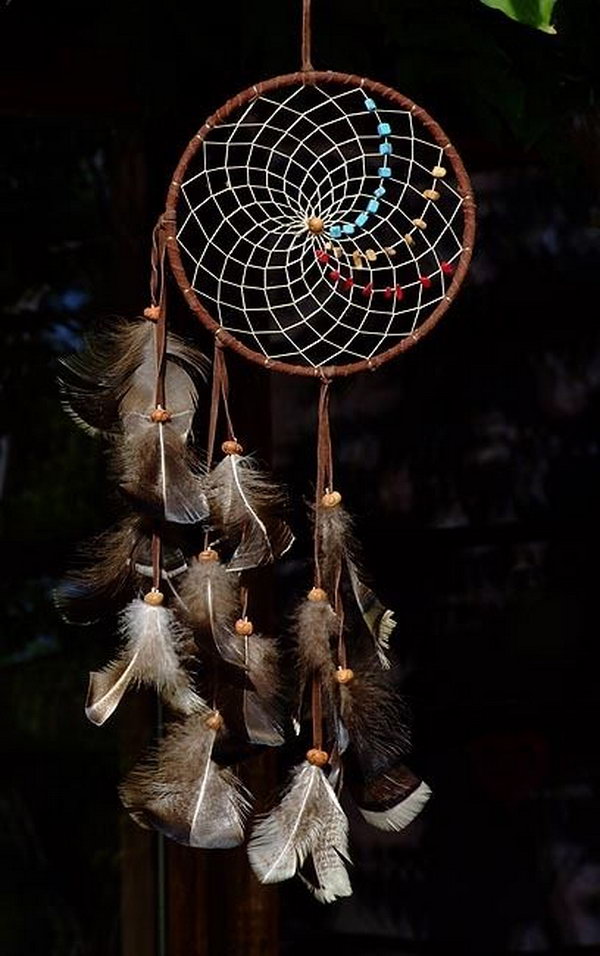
(431, 194)
(317, 594)
(409, 239)
(357, 259)
(419, 223)
(152, 312)
(344, 675)
(331, 500)
(154, 598)
(231, 448)
(244, 627)
(214, 721)
(160, 415)
(438, 172)
(371, 255)
(315, 224)
(208, 555)
(318, 758)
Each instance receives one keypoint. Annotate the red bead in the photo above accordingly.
(388, 293)
(447, 268)
(368, 289)
(425, 281)
(334, 276)
(348, 283)
(322, 256)
(399, 293)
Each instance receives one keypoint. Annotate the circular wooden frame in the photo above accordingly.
(297, 79)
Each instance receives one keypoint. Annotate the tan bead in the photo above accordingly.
(432, 194)
(154, 598)
(344, 675)
(160, 415)
(409, 239)
(331, 500)
(371, 255)
(231, 448)
(214, 721)
(317, 594)
(152, 312)
(419, 223)
(315, 224)
(357, 259)
(390, 251)
(318, 758)
(208, 555)
(438, 172)
(337, 250)
(244, 627)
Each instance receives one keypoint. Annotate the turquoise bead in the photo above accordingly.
(373, 205)
(348, 228)
(385, 172)
(335, 232)
(370, 104)
(379, 192)
(384, 129)
(385, 149)
(362, 219)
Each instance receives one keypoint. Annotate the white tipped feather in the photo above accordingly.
(308, 820)
(399, 816)
(152, 642)
(182, 792)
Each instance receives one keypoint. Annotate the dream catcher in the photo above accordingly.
(319, 224)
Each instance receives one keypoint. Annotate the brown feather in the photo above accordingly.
(245, 504)
(180, 790)
(262, 698)
(315, 626)
(375, 717)
(211, 599)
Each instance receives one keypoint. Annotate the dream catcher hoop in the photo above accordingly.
(319, 224)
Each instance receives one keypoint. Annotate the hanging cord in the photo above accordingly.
(219, 396)
(306, 37)
(324, 468)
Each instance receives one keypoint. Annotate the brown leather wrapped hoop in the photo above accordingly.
(463, 187)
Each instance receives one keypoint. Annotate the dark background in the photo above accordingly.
(472, 464)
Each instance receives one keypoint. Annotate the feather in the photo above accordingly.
(116, 375)
(211, 600)
(244, 503)
(307, 822)
(393, 799)
(375, 717)
(115, 563)
(152, 640)
(261, 698)
(315, 625)
(328, 878)
(154, 464)
(338, 548)
(183, 793)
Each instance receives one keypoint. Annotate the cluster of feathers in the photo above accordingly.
(175, 569)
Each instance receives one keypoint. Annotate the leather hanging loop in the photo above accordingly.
(307, 66)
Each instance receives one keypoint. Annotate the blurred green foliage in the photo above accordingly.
(534, 13)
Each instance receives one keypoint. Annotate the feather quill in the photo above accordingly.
(211, 602)
(183, 793)
(150, 656)
(244, 503)
(308, 821)
(338, 548)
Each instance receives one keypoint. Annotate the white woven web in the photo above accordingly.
(304, 153)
